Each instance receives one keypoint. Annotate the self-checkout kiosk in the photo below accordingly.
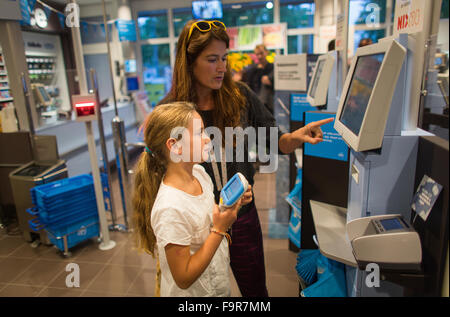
(375, 226)
(326, 83)
(325, 165)
(318, 87)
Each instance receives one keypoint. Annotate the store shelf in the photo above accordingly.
(330, 223)
(6, 99)
(4, 88)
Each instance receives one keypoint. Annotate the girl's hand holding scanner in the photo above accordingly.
(235, 189)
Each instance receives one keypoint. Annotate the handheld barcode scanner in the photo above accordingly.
(233, 191)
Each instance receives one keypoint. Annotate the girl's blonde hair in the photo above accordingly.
(152, 166)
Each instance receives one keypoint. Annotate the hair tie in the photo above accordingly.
(149, 151)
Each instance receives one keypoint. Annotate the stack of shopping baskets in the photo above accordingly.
(67, 210)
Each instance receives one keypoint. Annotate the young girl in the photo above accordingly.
(175, 210)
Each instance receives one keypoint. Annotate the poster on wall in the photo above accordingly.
(333, 146)
(327, 34)
(233, 35)
(245, 38)
(340, 32)
(299, 105)
(290, 72)
(274, 36)
(409, 16)
(126, 30)
(249, 37)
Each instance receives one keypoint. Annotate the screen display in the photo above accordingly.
(130, 66)
(315, 82)
(358, 95)
(233, 188)
(44, 94)
(391, 224)
(85, 111)
(132, 84)
(207, 9)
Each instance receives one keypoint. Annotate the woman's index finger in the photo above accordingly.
(320, 122)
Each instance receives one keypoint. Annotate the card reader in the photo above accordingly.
(386, 240)
(233, 191)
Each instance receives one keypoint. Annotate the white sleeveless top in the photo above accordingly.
(180, 218)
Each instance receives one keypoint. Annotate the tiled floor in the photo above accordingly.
(41, 271)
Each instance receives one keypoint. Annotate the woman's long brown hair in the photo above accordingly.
(151, 167)
(228, 100)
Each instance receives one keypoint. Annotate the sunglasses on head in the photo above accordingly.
(205, 26)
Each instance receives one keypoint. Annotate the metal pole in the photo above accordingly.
(119, 136)
(26, 93)
(109, 58)
(118, 127)
(106, 166)
(106, 243)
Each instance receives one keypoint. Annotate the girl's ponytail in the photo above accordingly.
(152, 165)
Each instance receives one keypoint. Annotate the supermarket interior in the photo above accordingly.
(338, 116)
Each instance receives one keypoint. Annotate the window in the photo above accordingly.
(297, 14)
(444, 9)
(157, 72)
(180, 17)
(298, 44)
(153, 24)
(240, 14)
(93, 30)
(367, 12)
(374, 35)
(368, 20)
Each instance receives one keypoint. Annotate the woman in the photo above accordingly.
(202, 76)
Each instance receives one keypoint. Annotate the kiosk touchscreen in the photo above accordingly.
(318, 87)
(367, 94)
(42, 95)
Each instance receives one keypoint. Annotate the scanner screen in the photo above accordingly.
(391, 224)
(233, 188)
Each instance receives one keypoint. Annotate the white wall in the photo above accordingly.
(443, 39)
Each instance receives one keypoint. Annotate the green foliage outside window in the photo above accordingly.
(153, 24)
(240, 14)
(297, 14)
(444, 9)
(180, 17)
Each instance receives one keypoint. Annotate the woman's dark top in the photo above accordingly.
(255, 115)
